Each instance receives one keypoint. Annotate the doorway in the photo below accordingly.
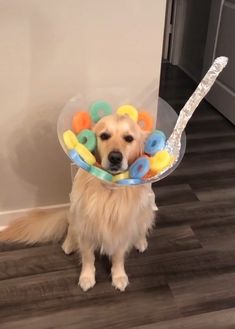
(196, 32)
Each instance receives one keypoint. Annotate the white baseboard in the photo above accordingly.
(7, 216)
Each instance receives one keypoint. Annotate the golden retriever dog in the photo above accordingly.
(102, 217)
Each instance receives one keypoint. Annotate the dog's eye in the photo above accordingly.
(129, 138)
(104, 136)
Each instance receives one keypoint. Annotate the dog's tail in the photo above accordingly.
(37, 226)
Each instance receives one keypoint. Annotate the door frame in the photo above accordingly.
(177, 30)
(220, 96)
(212, 33)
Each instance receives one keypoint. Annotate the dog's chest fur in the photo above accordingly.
(109, 218)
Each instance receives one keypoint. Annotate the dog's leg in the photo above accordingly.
(70, 243)
(152, 198)
(119, 276)
(145, 220)
(141, 245)
(87, 276)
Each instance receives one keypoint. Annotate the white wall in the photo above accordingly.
(49, 51)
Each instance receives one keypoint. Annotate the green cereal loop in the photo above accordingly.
(100, 173)
(100, 109)
(88, 138)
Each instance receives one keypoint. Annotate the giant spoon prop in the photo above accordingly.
(172, 151)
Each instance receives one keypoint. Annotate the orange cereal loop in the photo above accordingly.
(150, 174)
(81, 120)
(145, 121)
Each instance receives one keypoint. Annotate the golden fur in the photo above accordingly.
(102, 216)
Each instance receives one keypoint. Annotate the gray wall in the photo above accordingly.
(191, 25)
(220, 42)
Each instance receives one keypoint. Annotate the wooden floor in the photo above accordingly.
(185, 280)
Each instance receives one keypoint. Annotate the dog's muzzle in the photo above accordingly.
(115, 160)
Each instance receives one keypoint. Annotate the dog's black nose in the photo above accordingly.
(115, 157)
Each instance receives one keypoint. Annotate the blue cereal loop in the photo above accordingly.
(139, 168)
(155, 142)
(75, 157)
(130, 181)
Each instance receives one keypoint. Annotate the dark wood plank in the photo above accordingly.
(205, 128)
(224, 319)
(21, 294)
(204, 166)
(211, 144)
(183, 264)
(201, 295)
(173, 194)
(170, 239)
(59, 288)
(4, 246)
(223, 188)
(217, 237)
(197, 214)
(122, 311)
(36, 260)
(54, 291)
(206, 163)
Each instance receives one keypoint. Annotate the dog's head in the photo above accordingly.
(120, 141)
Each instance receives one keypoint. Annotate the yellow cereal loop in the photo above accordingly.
(85, 154)
(160, 161)
(70, 139)
(123, 175)
(129, 110)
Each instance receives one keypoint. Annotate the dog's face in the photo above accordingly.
(120, 142)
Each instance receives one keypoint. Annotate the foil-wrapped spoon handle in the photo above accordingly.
(173, 144)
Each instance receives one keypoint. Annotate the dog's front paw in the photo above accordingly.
(141, 245)
(86, 282)
(120, 282)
